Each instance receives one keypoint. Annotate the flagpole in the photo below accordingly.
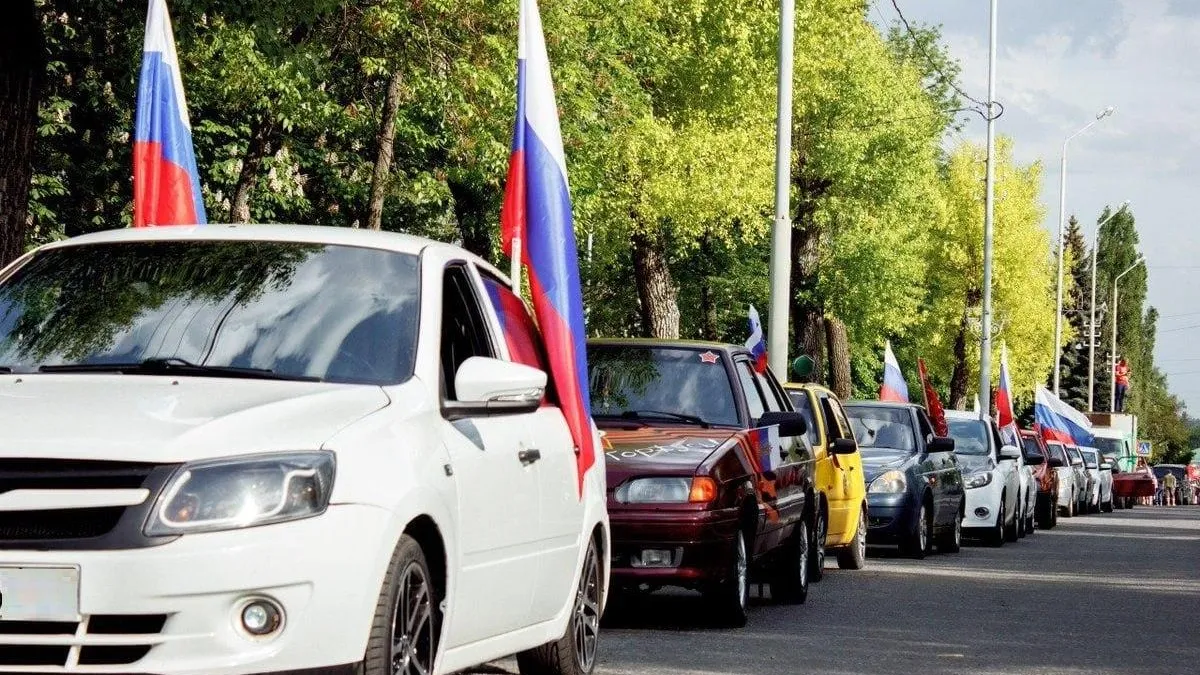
(985, 340)
(514, 269)
(781, 233)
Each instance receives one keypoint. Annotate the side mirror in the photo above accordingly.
(941, 444)
(1010, 453)
(1035, 460)
(844, 446)
(493, 387)
(790, 423)
(1056, 463)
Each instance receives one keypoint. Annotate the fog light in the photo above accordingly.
(261, 617)
(982, 512)
(655, 557)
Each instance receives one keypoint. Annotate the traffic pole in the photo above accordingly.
(781, 232)
(985, 324)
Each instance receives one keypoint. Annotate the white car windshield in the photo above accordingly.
(970, 436)
(213, 308)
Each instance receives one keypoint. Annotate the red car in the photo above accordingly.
(710, 476)
(1032, 444)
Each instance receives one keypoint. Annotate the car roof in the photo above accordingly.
(304, 234)
(880, 404)
(667, 344)
(961, 415)
(808, 386)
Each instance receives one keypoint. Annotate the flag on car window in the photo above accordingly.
(756, 343)
(933, 405)
(537, 208)
(1004, 404)
(894, 387)
(166, 184)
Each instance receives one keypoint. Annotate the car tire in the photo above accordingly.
(1069, 511)
(816, 550)
(916, 543)
(854, 556)
(1031, 520)
(575, 652)
(950, 541)
(1107, 507)
(729, 598)
(995, 534)
(1012, 532)
(789, 583)
(400, 602)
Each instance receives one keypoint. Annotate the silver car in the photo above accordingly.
(1080, 475)
(1091, 462)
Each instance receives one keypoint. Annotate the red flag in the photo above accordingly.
(937, 414)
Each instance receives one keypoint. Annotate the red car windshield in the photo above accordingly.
(664, 384)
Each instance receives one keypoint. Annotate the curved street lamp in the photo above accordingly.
(1062, 221)
(1112, 368)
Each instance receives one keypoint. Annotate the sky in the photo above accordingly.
(1059, 63)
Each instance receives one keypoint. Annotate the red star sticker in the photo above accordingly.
(709, 357)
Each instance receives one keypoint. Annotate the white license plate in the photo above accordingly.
(39, 593)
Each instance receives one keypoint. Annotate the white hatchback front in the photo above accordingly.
(990, 475)
(235, 450)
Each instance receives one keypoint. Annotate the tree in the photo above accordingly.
(22, 69)
(1073, 380)
(1023, 276)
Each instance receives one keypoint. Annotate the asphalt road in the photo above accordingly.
(1103, 594)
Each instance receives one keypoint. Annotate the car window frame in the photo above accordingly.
(740, 361)
(489, 332)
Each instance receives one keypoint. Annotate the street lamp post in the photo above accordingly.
(781, 230)
(1062, 223)
(985, 315)
(1092, 320)
(1112, 367)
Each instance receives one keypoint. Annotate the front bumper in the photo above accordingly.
(890, 517)
(172, 609)
(983, 505)
(700, 542)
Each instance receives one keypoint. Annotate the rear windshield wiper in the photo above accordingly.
(158, 366)
(643, 414)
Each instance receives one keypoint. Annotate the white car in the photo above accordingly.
(991, 475)
(1068, 489)
(1080, 475)
(1029, 490)
(266, 449)
(1106, 484)
(1091, 462)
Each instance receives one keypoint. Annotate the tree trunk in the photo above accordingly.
(808, 324)
(960, 383)
(839, 357)
(656, 289)
(384, 143)
(708, 311)
(260, 146)
(21, 71)
(477, 216)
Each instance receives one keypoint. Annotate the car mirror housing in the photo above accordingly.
(790, 423)
(844, 446)
(941, 444)
(1010, 453)
(486, 386)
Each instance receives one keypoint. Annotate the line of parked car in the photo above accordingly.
(721, 477)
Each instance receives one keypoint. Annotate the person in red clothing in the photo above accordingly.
(1122, 372)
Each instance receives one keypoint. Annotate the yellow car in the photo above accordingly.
(839, 476)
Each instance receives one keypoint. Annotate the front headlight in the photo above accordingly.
(889, 482)
(978, 480)
(239, 492)
(672, 490)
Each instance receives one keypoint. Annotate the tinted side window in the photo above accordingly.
(1031, 447)
(464, 331)
(774, 401)
(754, 399)
(925, 426)
(521, 334)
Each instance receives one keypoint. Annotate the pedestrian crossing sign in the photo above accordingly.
(1143, 448)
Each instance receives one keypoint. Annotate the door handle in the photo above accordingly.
(528, 457)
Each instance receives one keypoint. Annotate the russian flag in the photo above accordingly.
(1059, 421)
(1004, 405)
(166, 185)
(756, 344)
(537, 208)
(894, 387)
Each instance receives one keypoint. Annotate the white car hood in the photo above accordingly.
(171, 419)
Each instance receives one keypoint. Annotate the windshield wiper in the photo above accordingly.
(642, 414)
(157, 366)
